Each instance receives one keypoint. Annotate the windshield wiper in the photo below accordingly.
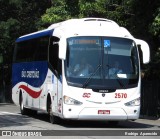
(90, 77)
(120, 82)
(117, 78)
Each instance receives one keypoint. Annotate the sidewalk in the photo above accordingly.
(9, 103)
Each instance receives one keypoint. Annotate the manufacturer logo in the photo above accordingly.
(86, 95)
(103, 91)
(103, 95)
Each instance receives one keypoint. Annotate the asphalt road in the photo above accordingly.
(11, 119)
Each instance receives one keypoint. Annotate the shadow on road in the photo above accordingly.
(14, 120)
(94, 124)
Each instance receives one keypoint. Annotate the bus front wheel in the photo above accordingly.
(53, 119)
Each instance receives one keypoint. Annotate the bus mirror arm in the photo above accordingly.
(62, 48)
(145, 50)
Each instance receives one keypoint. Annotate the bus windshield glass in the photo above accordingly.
(101, 62)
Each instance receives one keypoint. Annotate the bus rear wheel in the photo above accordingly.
(23, 110)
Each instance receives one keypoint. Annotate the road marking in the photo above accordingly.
(4, 113)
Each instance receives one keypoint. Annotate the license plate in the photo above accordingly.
(103, 111)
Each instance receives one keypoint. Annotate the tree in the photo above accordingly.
(65, 9)
(155, 26)
(56, 13)
(154, 69)
(17, 18)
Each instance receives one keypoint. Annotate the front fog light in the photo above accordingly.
(135, 102)
(71, 101)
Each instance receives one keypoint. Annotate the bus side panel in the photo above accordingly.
(54, 94)
(59, 99)
(29, 79)
(49, 90)
(43, 97)
(54, 86)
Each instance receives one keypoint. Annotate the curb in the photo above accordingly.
(149, 117)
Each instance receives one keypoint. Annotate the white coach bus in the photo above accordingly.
(79, 69)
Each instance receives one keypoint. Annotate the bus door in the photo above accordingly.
(59, 91)
(53, 65)
(57, 87)
(54, 92)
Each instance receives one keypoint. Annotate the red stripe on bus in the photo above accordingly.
(32, 93)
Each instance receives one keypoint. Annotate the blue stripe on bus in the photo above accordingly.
(32, 73)
(36, 35)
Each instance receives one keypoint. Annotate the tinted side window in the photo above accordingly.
(53, 53)
(41, 50)
(21, 52)
(54, 60)
(32, 50)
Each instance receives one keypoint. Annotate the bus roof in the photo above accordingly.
(83, 26)
(89, 27)
(35, 35)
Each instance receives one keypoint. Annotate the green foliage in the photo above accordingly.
(112, 9)
(72, 6)
(18, 18)
(54, 15)
(9, 34)
(155, 27)
(93, 8)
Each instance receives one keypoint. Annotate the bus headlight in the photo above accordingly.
(71, 101)
(135, 102)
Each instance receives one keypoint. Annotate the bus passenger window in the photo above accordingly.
(53, 53)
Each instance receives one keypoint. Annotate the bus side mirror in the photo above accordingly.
(62, 48)
(145, 50)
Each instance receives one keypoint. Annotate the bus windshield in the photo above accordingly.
(101, 62)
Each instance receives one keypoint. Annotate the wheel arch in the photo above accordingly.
(48, 102)
(20, 96)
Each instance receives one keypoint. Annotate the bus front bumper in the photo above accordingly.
(106, 114)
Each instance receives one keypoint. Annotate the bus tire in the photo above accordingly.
(53, 119)
(23, 110)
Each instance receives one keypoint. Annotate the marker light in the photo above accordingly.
(135, 102)
(71, 101)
